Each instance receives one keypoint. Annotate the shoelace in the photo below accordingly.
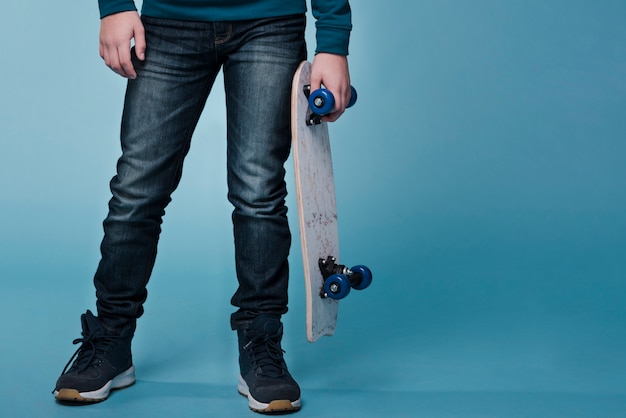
(88, 345)
(268, 355)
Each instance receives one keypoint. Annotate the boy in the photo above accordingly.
(179, 48)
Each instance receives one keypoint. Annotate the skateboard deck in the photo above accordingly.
(317, 211)
(326, 281)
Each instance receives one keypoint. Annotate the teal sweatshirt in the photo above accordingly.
(333, 17)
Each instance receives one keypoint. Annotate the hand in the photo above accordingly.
(116, 32)
(331, 71)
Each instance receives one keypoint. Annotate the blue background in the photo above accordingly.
(481, 176)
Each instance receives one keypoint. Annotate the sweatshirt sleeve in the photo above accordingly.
(333, 25)
(109, 7)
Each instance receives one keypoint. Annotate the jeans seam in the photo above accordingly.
(225, 38)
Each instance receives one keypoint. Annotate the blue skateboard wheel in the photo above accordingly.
(322, 101)
(337, 286)
(366, 277)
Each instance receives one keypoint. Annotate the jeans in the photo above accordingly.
(161, 109)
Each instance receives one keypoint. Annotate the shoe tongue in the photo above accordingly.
(267, 332)
(266, 325)
(91, 325)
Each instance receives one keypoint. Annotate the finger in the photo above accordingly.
(340, 105)
(107, 56)
(332, 117)
(340, 101)
(342, 98)
(316, 80)
(118, 60)
(347, 96)
(140, 42)
(112, 60)
(126, 64)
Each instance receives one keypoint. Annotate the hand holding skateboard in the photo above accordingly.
(322, 102)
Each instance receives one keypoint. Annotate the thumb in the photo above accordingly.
(316, 79)
(140, 42)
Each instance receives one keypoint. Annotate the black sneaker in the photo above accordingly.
(264, 377)
(103, 362)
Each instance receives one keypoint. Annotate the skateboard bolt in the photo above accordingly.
(319, 102)
(334, 288)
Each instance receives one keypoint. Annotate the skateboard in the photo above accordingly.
(326, 281)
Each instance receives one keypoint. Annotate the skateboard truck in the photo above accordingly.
(339, 279)
(322, 102)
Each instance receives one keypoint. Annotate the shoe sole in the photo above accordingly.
(278, 405)
(121, 381)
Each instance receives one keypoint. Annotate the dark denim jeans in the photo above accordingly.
(162, 107)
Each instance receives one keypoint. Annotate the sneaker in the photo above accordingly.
(264, 377)
(102, 363)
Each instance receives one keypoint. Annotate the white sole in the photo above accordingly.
(278, 405)
(121, 381)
